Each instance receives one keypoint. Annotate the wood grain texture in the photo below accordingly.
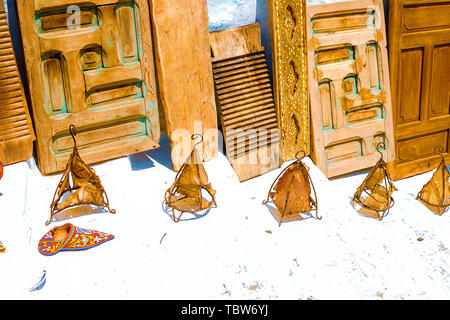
(185, 76)
(349, 86)
(245, 101)
(16, 128)
(92, 68)
(419, 56)
(290, 75)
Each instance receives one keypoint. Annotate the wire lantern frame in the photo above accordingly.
(189, 191)
(290, 174)
(433, 187)
(82, 175)
(376, 188)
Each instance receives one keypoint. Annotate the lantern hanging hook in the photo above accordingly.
(380, 147)
(73, 133)
(195, 136)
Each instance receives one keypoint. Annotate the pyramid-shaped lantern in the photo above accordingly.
(86, 188)
(291, 191)
(186, 193)
(435, 194)
(375, 194)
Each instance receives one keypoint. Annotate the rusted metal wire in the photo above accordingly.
(86, 185)
(378, 187)
(291, 191)
(435, 193)
(185, 194)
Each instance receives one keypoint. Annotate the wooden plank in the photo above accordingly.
(245, 101)
(185, 76)
(79, 73)
(349, 86)
(16, 128)
(419, 57)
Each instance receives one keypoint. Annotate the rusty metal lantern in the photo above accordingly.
(291, 191)
(375, 194)
(185, 194)
(86, 188)
(435, 194)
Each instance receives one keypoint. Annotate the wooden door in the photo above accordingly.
(419, 52)
(90, 64)
(349, 86)
(185, 76)
(16, 129)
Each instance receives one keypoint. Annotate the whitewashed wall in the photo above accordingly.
(225, 14)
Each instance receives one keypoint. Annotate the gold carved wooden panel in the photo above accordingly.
(419, 56)
(90, 64)
(290, 75)
(16, 129)
(349, 86)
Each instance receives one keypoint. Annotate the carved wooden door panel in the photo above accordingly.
(349, 86)
(290, 75)
(419, 52)
(90, 64)
(16, 129)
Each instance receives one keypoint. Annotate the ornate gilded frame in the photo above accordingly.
(290, 74)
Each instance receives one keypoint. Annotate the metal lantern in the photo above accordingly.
(185, 194)
(291, 191)
(375, 194)
(435, 194)
(86, 186)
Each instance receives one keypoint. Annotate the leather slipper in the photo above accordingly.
(71, 238)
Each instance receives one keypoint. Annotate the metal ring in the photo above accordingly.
(304, 155)
(439, 150)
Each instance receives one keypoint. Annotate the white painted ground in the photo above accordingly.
(226, 254)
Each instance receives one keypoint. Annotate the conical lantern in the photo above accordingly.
(185, 195)
(435, 194)
(375, 194)
(291, 191)
(86, 186)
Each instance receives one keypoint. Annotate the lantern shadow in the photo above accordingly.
(140, 161)
(163, 154)
(167, 210)
(276, 214)
(78, 211)
(367, 213)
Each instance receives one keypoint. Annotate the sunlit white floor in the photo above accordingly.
(236, 251)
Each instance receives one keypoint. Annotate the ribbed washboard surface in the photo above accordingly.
(16, 130)
(246, 105)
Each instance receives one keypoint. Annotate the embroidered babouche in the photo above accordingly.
(86, 185)
(71, 238)
(375, 194)
(291, 192)
(435, 194)
(185, 195)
